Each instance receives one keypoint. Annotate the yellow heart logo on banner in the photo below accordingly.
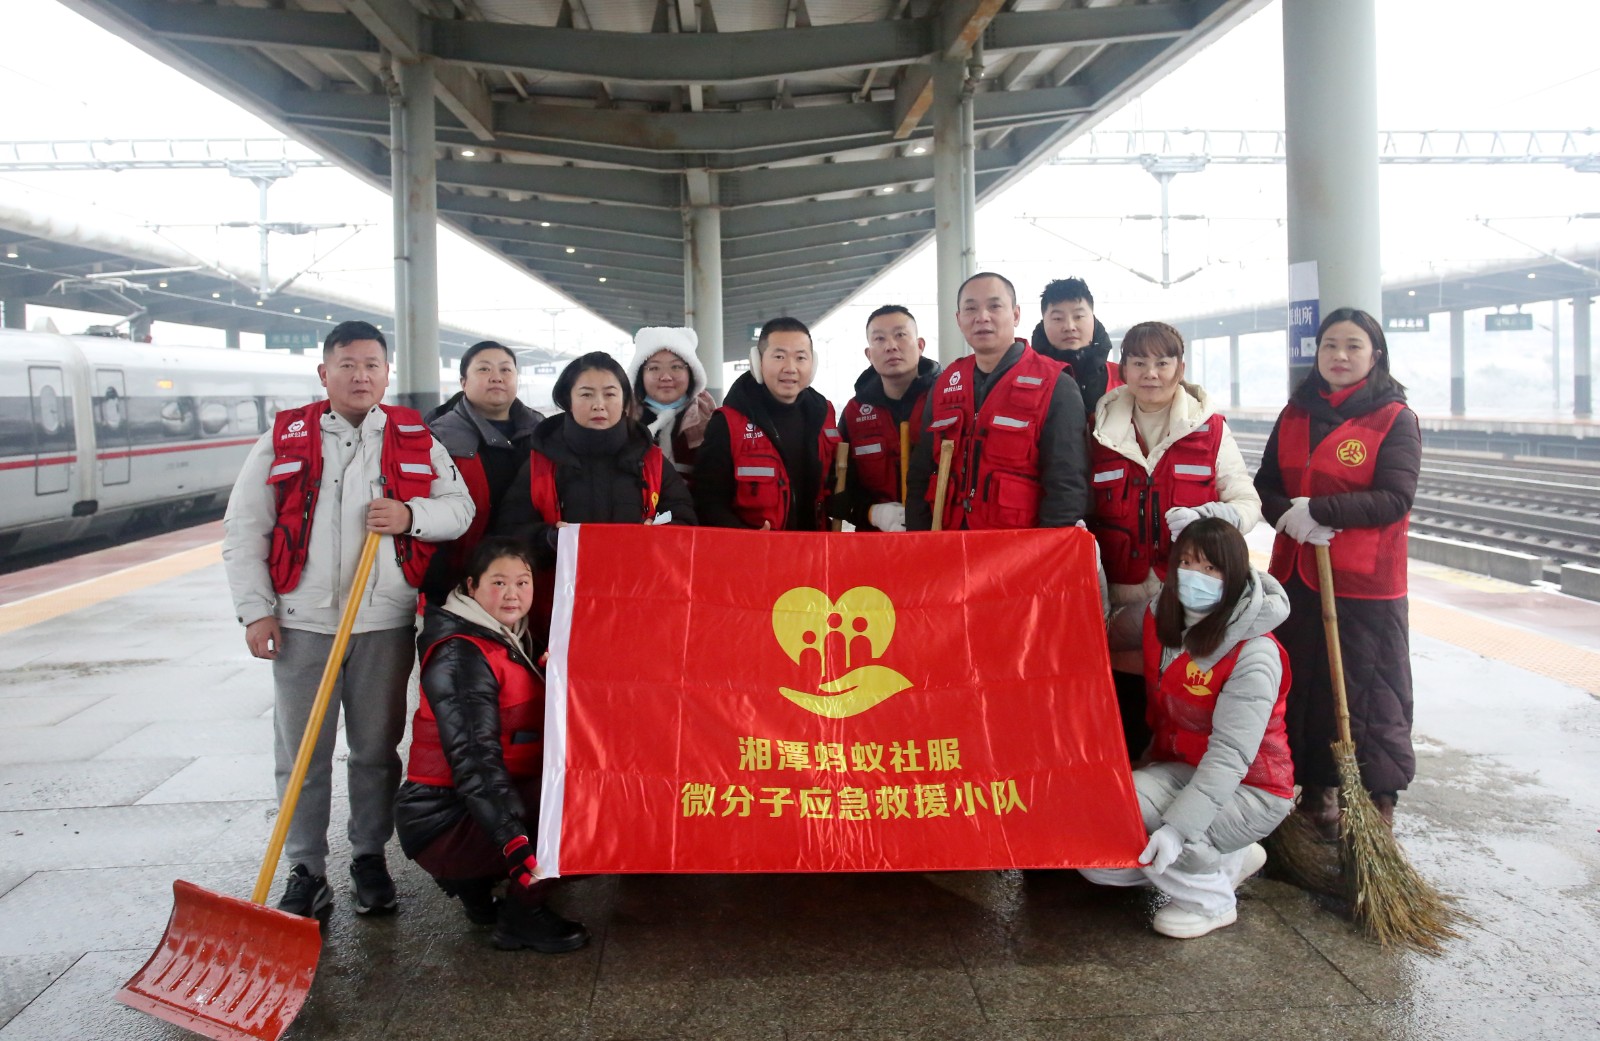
(861, 620)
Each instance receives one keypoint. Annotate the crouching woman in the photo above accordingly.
(471, 798)
(1217, 776)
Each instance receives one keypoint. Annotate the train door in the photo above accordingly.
(111, 426)
(53, 444)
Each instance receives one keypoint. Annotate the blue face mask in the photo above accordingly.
(1197, 591)
(665, 406)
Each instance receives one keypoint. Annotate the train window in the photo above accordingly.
(110, 411)
(179, 418)
(213, 418)
(50, 411)
(246, 417)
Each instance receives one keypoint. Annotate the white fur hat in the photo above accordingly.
(680, 340)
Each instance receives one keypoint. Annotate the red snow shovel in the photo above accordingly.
(232, 969)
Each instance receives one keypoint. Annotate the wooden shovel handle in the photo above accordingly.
(941, 484)
(841, 461)
(319, 709)
(1330, 629)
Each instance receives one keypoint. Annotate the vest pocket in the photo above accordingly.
(1015, 499)
(1193, 484)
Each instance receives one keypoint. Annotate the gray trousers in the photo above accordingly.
(371, 689)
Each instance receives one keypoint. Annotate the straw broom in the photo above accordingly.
(1393, 904)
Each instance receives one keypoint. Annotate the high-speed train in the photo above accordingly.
(96, 432)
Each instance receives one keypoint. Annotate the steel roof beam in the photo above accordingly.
(629, 187)
(785, 183)
(773, 220)
(794, 241)
(818, 254)
(843, 267)
(1087, 27)
(602, 263)
(607, 242)
(632, 221)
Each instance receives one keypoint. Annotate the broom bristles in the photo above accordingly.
(1304, 857)
(1394, 905)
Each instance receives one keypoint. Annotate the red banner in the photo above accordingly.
(740, 701)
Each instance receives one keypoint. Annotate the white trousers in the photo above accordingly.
(1202, 878)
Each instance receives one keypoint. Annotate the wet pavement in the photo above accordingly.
(134, 737)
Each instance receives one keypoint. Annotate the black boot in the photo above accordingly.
(1384, 802)
(476, 896)
(1320, 807)
(536, 927)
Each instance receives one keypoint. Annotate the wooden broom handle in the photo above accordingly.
(319, 709)
(1330, 629)
(841, 460)
(905, 462)
(941, 485)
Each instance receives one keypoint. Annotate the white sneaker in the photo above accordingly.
(1184, 924)
(1245, 862)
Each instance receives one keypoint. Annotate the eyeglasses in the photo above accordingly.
(662, 370)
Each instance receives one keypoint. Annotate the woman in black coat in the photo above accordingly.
(591, 464)
(470, 803)
(1340, 470)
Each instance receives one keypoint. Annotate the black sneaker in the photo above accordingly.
(305, 894)
(371, 885)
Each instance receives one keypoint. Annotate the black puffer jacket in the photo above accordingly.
(1087, 364)
(794, 429)
(904, 409)
(599, 480)
(465, 696)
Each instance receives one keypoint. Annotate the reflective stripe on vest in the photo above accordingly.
(1368, 563)
(1180, 702)
(1128, 506)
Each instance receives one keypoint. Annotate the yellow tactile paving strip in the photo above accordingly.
(1574, 666)
(45, 606)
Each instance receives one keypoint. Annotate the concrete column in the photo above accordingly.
(1458, 363)
(1580, 356)
(689, 287)
(1233, 370)
(16, 314)
(952, 175)
(706, 265)
(1555, 352)
(416, 264)
(230, 339)
(1330, 78)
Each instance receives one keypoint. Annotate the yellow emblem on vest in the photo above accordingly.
(1196, 682)
(1352, 452)
(805, 622)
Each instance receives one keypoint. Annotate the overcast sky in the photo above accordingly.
(1443, 64)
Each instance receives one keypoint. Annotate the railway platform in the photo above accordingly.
(135, 748)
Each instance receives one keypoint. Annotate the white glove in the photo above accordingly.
(1219, 510)
(887, 516)
(1180, 517)
(1165, 845)
(1298, 524)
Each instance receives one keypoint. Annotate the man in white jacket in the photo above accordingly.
(311, 488)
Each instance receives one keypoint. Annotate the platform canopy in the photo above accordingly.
(574, 136)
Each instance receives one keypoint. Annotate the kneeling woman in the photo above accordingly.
(471, 798)
(1218, 777)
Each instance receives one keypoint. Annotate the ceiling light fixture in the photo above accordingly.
(467, 153)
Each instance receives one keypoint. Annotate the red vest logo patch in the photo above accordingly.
(1352, 452)
(1197, 682)
(295, 429)
(833, 634)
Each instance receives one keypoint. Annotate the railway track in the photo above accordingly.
(1546, 508)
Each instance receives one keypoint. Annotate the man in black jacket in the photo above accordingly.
(890, 394)
(1070, 333)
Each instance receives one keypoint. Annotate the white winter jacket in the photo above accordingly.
(350, 471)
(1114, 428)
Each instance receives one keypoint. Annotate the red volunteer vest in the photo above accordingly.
(296, 477)
(1368, 563)
(1180, 702)
(521, 720)
(1128, 506)
(874, 439)
(761, 485)
(547, 497)
(1001, 443)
